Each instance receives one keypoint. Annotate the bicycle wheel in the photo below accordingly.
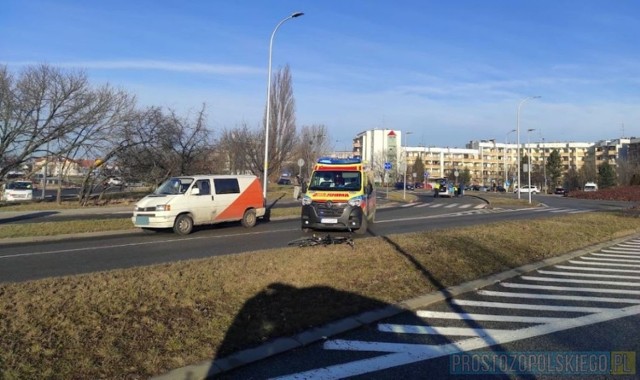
(305, 242)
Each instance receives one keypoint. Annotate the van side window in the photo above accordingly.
(204, 185)
(226, 185)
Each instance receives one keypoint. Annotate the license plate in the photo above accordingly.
(326, 220)
(143, 220)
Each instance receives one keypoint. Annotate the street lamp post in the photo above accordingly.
(406, 163)
(267, 119)
(518, 133)
(529, 161)
(506, 142)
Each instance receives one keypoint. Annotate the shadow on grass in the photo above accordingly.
(29, 216)
(268, 315)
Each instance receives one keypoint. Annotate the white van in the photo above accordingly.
(590, 186)
(16, 191)
(186, 201)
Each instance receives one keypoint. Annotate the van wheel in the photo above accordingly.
(183, 225)
(249, 218)
(363, 226)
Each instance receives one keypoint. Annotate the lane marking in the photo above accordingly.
(578, 281)
(570, 289)
(402, 354)
(521, 306)
(594, 275)
(466, 205)
(451, 205)
(627, 256)
(492, 293)
(435, 330)
(597, 269)
(604, 264)
(622, 250)
(611, 260)
(483, 317)
(166, 241)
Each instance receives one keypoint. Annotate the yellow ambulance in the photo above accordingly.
(339, 196)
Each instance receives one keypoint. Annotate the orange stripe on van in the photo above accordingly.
(251, 197)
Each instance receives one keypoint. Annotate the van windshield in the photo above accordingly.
(174, 186)
(335, 180)
(19, 185)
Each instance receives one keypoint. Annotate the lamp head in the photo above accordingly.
(297, 14)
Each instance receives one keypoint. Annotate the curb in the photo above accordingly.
(211, 368)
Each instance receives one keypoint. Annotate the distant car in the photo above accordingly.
(284, 181)
(419, 185)
(16, 191)
(114, 181)
(528, 189)
(400, 186)
(500, 189)
(590, 186)
(560, 191)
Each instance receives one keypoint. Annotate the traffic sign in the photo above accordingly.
(387, 166)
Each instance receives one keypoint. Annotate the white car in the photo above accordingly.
(113, 181)
(528, 189)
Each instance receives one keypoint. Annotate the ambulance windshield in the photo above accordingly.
(335, 180)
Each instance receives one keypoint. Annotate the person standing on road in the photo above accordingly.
(436, 189)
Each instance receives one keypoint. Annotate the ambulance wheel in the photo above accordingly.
(363, 226)
(249, 218)
(183, 225)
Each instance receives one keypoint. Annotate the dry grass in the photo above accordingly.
(139, 322)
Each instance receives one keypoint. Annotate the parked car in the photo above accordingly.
(16, 191)
(561, 191)
(590, 186)
(419, 185)
(528, 189)
(114, 181)
(400, 185)
(500, 189)
(284, 181)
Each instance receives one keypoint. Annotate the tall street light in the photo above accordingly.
(529, 161)
(506, 142)
(268, 121)
(406, 163)
(518, 133)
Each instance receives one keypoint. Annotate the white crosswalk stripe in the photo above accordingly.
(602, 285)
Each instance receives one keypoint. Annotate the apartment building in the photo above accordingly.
(488, 161)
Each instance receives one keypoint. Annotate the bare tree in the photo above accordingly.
(282, 124)
(44, 106)
(174, 145)
(46, 111)
(312, 143)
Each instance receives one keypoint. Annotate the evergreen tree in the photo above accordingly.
(606, 176)
(554, 167)
(418, 168)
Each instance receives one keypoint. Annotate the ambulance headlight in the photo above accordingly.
(306, 200)
(355, 202)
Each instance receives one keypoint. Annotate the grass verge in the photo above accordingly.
(140, 322)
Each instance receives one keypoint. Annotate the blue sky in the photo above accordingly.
(448, 71)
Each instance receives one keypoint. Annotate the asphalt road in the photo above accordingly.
(30, 260)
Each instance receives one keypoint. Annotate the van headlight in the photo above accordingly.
(306, 200)
(355, 202)
(163, 207)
